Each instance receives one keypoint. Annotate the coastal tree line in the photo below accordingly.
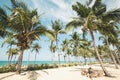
(21, 28)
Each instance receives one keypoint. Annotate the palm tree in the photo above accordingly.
(25, 26)
(69, 52)
(85, 46)
(3, 22)
(75, 41)
(116, 51)
(108, 45)
(57, 28)
(67, 49)
(103, 51)
(52, 49)
(88, 18)
(12, 52)
(36, 47)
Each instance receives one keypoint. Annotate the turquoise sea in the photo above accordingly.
(2, 63)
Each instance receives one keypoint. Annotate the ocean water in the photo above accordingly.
(3, 63)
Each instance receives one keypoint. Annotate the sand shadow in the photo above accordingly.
(7, 76)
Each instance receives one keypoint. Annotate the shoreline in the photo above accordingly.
(63, 73)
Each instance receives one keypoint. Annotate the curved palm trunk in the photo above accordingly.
(112, 56)
(8, 59)
(117, 58)
(20, 61)
(11, 58)
(96, 51)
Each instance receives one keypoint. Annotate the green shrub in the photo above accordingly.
(45, 66)
(8, 68)
(30, 67)
(55, 66)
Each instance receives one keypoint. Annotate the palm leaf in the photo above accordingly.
(81, 10)
(74, 24)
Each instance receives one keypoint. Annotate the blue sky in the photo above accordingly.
(52, 9)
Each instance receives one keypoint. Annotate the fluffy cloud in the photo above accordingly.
(55, 9)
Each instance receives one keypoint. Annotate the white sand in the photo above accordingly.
(65, 73)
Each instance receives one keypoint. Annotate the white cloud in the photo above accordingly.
(78, 30)
(60, 3)
(112, 4)
(58, 9)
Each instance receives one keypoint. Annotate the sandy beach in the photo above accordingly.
(63, 73)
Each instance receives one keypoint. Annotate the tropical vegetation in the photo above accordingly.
(21, 30)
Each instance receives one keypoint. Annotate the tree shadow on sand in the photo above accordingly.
(33, 75)
(7, 76)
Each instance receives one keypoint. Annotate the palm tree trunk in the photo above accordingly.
(35, 59)
(96, 51)
(112, 56)
(85, 60)
(59, 60)
(65, 59)
(68, 58)
(57, 49)
(117, 58)
(14, 58)
(11, 58)
(20, 61)
(28, 58)
(52, 58)
(8, 58)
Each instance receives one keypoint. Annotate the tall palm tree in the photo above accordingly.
(36, 47)
(88, 17)
(57, 27)
(75, 41)
(12, 52)
(108, 45)
(103, 51)
(69, 52)
(85, 46)
(66, 48)
(3, 22)
(25, 26)
(52, 49)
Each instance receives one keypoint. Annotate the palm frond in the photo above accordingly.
(81, 10)
(89, 2)
(20, 4)
(3, 15)
(74, 24)
(112, 15)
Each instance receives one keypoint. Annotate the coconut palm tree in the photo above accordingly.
(36, 47)
(3, 22)
(52, 49)
(26, 27)
(116, 51)
(57, 27)
(85, 46)
(69, 52)
(75, 41)
(108, 45)
(67, 49)
(103, 51)
(12, 52)
(88, 17)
